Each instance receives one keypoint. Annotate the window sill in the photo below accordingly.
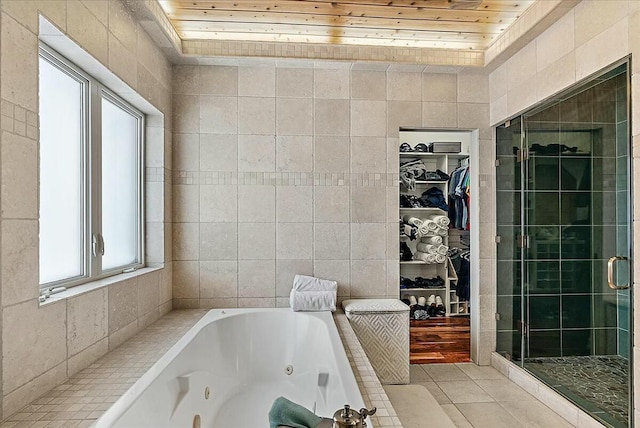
(95, 285)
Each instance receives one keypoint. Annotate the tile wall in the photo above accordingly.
(589, 37)
(43, 345)
(291, 167)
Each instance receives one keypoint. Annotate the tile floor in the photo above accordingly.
(600, 382)
(472, 396)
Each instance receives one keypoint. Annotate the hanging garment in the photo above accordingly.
(459, 185)
(463, 288)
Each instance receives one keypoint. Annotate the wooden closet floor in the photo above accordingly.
(440, 340)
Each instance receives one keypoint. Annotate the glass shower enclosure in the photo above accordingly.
(564, 244)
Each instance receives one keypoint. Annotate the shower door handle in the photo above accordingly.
(610, 265)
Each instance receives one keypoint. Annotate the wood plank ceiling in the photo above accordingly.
(448, 24)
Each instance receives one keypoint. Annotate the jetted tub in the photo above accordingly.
(242, 360)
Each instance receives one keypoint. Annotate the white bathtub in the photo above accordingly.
(242, 356)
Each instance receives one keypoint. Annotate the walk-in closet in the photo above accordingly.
(435, 250)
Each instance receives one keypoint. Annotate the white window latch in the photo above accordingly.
(97, 245)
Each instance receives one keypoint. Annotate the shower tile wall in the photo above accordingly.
(293, 169)
(43, 345)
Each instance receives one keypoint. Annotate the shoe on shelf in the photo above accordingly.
(405, 147)
(432, 311)
(439, 301)
(431, 300)
(412, 300)
(422, 147)
(422, 301)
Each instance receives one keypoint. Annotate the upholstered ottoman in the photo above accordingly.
(382, 327)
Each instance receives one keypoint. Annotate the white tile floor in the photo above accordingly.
(472, 396)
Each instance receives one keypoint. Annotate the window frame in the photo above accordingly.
(93, 94)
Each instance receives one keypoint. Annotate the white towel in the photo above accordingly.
(310, 283)
(443, 249)
(427, 258)
(419, 255)
(441, 220)
(427, 248)
(442, 231)
(440, 258)
(313, 300)
(414, 221)
(427, 228)
(431, 239)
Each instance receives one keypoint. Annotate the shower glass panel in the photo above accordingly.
(509, 227)
(563, 274)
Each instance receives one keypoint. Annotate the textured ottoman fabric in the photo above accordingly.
(382, 327)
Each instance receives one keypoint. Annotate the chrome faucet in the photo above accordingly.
(347, 417)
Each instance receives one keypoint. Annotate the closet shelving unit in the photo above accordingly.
(446, 162)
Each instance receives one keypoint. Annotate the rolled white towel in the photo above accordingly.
(422, 247)
(442, 231)
(441, 220)
(440, 258)
(312, 301)
(431, 249)
(442, 249)
(431, 239)
(310, 283)
(427, 258)
(414, 221)
(419, 255)
(427, 228)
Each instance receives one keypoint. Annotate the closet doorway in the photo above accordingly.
(435, 242)
(564, 269)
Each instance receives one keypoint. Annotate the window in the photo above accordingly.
(91, 146)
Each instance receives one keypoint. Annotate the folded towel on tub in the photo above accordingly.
(289, 414)
(310, 283)
(312, 301)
